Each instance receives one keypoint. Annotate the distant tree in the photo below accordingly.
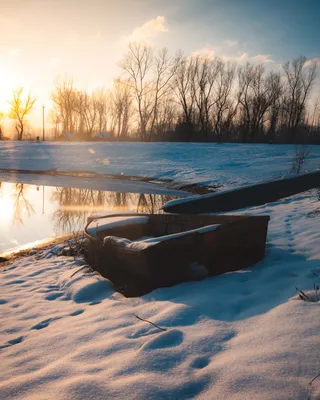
(257, 93)
(65, 98)
(276, 88)
(300, 77)
(182, 85)
(137, 65)
(206, 70)
(20, 108)
(87, 108)
(1, 119)
(225, 106)
(102, 103)
(314, 118)
(121, 107)
(164, 69)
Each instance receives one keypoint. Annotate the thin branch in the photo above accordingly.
(145, 320)
(310, 383)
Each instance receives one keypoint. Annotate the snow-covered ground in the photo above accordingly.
(65, 334)
(208, 163)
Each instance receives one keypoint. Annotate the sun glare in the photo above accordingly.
(6, 209)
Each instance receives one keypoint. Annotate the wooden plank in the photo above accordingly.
(247, 196)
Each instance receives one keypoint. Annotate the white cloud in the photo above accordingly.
(231, 43)
(308, 63)
(227, 51)
(246, 58)
(149, 30)
(261, 59)
(205, 52)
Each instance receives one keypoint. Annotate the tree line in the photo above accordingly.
(163, 97)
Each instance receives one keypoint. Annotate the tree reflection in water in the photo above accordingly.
(21, 204)
(77, 204)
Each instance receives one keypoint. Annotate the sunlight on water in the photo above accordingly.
(31, 213)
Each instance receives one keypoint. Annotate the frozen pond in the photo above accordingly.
(29, 213)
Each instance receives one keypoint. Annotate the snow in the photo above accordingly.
(98, 225)
(206, 163)
(65, 334)
(186, 199)
(143, 244)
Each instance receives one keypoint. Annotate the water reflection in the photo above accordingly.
(77, 204)
(22, 207)
(29, 212)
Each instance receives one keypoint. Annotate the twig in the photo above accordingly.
(145, 320)
(78, 270)
(303, 294)
(316, 290)
(310, 383)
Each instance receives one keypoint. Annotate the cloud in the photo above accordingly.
(149, 30)
(261, 59)
(240, 58)
(228, 50)
(231, 43)
(204, 52)
(308, 63)
(246, 58)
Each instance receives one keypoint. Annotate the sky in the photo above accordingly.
(85, 40)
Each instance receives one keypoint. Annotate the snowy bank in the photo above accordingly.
(65, 334)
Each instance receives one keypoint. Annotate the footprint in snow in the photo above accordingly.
(170, 338)
(53, 296)
(16, 282)
(77, 312)
(200, 362)
(12, 342)
(43, 324)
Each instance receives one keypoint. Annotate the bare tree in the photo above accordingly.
(205, 73)
(225, 107)
(1, 120)
(20, 108)
(65, 98)
(276, 88)
(300, 77)
(102, 101)
(121, 107)
(164, 70)
(87, 109)
(137, 65)
(182, 85)
(314, 120)
(166, 117)
(301, 154)
(257, 92)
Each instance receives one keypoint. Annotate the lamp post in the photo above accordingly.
(43, 122)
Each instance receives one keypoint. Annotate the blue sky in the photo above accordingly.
(85, 39)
